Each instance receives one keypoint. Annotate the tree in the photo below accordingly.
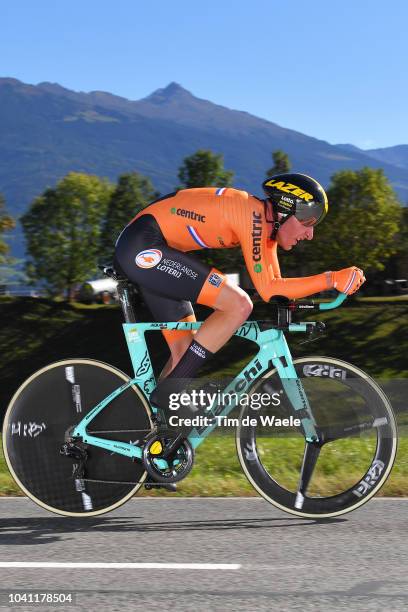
(281, 163)
(62, 230)
(363, 220)
(397, 266)
(402, 244)
(7, 223)
(204, 169)
(132, 193)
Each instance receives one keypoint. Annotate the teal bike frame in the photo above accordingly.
(272, 351)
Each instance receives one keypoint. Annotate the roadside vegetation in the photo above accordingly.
(72, 227)
(364, 332)
(217, 472)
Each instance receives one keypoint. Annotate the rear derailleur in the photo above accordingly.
(75, 449)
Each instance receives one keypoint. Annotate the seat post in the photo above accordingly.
(125, 298)
(125, 291)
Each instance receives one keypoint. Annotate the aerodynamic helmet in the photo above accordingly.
(296, 194)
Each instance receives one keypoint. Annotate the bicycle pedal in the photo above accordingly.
(170, 486)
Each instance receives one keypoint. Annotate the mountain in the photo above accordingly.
(350, 148)
(47, 130)
(397, 156)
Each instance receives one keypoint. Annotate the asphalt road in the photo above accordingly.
(232, 554)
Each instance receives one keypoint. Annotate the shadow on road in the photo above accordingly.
(25, 531)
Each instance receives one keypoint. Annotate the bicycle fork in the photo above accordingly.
(313, 441)
(297, 397)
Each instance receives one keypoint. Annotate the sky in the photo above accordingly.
(332, 69)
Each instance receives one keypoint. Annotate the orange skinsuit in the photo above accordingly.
(223, 218)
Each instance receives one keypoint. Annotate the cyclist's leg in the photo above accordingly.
(168, 309)
(181, 277)
(178, 342)
(168, 281)
(231, 311)
(232, 307)
(144, 256)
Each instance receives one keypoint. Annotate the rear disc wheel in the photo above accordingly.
(40, 417)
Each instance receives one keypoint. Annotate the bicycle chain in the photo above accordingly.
(130, 482)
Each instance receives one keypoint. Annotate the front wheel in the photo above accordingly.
(40, 417)
(359, 436)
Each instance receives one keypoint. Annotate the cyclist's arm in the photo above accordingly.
(263, 266)
(290, 287)
(294, 288)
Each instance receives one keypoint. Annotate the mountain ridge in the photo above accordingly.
(48, 130)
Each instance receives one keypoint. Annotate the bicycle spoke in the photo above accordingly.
(310, 457)
(332, 433)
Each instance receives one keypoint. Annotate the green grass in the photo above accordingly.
(217, 471)
(368, 332)
(385, 299)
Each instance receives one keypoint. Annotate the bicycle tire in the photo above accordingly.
(45, 407)
(327, 380)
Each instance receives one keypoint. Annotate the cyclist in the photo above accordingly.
(153, 251)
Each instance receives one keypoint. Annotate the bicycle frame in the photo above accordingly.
(272, 350)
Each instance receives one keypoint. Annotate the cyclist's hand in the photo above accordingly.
(348, 280)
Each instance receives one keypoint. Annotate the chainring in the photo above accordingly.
(179, 462)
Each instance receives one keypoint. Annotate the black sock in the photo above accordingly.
(192, 360)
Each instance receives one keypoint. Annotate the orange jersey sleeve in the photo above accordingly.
(247, 220)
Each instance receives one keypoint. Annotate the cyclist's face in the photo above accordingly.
(291, 232)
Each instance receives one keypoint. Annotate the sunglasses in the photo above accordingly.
(270, 217)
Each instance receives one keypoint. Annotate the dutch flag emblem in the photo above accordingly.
(220, 191)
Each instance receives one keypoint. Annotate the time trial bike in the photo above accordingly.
(80, 436)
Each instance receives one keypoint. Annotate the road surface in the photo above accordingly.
(207, 554)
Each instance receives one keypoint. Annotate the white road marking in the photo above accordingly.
(69, 565)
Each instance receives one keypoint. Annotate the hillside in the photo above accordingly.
(398, 155)
(40, 331)
(47, 131)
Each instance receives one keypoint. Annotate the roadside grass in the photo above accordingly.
(217, 471)
(366, 332)
(385, 299)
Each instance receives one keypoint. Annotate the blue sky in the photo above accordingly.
(336, 70)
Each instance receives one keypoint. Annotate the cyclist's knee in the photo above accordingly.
(234, 300)
(245, 306)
